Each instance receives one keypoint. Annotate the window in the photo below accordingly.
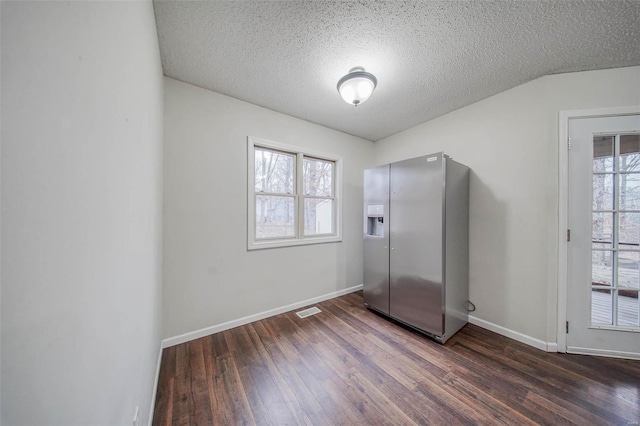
(293, 196)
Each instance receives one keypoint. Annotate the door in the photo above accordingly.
(376, 238)
(603, 312)
(416, 239)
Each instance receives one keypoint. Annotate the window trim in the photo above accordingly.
(299, 238)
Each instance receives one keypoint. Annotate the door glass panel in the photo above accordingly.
(628, 276)
(603, 154)
(601, 267)
(602, 224)
(603, 192)
(629, 153)
(629, 230)
(628, 308)
(615, 274)
(629, 191)
(601, 307)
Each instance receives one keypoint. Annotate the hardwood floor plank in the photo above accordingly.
(364, 410)
(232, 405)
(260, 378)
(497, 386)
(288, 362)
(554, 413)
(409, 380)
(597, 397)
(454, 396)
(199, 390)
(183, 408)
(318, 376)
(605, 396)
(216, 395)
(350, 366)
(492, 407)
(181, 366)
(218, 345)
(566, 399)
(163, 411)
(164, 395)
(340, 365)
(299, 415)
(349, 357)
(382, 400)
(600, 376)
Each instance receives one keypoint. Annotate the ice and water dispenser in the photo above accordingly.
(375, 220)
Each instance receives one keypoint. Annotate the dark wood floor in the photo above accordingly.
(350, 366)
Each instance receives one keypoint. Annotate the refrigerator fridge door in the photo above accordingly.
(416, 241)
(376, 238)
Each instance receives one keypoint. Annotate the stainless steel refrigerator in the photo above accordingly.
(416, 243)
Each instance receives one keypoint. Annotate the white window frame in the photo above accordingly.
(299, 238)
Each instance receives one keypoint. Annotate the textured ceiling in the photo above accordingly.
(430, 57)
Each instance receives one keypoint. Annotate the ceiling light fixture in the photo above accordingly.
(357, 86)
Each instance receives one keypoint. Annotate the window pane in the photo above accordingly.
(275, 216)
(274, 171)
(601, 268)
(603, 154)
(628, 269)
(628, 308)
(318, 177)
(601, 307)
(602, 192)
(630, 153)
(318, 216)
(628, 230)
(629, 191)
(602, 224)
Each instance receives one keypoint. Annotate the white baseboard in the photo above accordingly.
(155, 386)
(182, 338)
(603, 352)
(522, 338)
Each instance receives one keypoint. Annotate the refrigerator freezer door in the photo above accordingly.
(416, 240)
(376, 238)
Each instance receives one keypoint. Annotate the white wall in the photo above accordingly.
(209, 276)
(81, 211)
(510, 141)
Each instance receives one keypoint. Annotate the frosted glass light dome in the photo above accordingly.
(357, 86)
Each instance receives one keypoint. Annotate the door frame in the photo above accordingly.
(563, 204)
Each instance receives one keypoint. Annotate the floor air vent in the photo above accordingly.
(308, 312)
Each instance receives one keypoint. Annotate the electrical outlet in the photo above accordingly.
(136, 418)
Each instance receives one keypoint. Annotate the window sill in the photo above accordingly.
(258, 245)
(612, 328)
